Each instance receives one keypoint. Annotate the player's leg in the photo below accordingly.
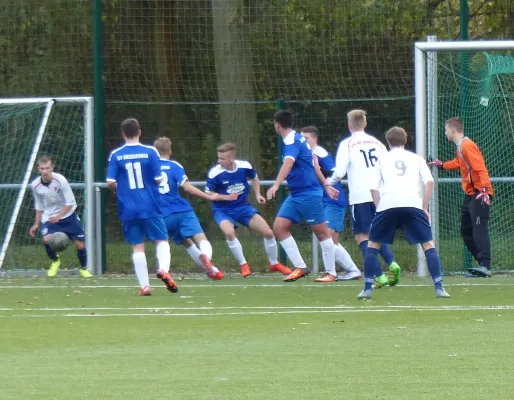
(370, 268)
(73, 228)
(480, 218)
(286, 217)
(227, 224)
(155, 230)
(466, 227)
(133, 232)
(335, 221)
(204, 248)
(362, 216)
(46, 232)
(258, 224)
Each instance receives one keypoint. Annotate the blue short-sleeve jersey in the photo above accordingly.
(223, 181)
(327, 165)
(170, 199)
(302, 179)
(135, 168)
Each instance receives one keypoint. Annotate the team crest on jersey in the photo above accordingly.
(236, 188)
(53, 199)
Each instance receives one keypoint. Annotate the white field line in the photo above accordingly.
(237, 285)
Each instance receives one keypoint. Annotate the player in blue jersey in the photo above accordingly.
(335, 209)
(230, 177)
(180, 219)
(305, 200)
(135, 173)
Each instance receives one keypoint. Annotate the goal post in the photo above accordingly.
(61, 127)
(473, 80)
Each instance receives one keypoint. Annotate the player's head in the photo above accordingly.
(310, 133)
(227, 155)
(356, 120)
(283, 121)
(163, 146)
(130, 129)
(45, 166)
(454, 129)
(396, 137)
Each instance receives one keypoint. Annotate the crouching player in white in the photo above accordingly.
(335, 209)
(180, 219)
(55, 207)
(400, 206)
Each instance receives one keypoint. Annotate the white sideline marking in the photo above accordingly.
(257, 285)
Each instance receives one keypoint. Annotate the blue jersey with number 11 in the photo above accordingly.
(135, 168)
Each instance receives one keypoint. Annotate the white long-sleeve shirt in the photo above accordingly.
(52, 197)
(358, 157)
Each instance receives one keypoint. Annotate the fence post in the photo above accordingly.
(281, 191)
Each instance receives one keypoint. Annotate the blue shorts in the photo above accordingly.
(298, 208)
(335, 216)
(135, 230)
(182, 225)
(362, 215)
(240, 214)
(412, 221)
(71, 226)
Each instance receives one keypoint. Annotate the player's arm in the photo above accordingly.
(476, 161)
(211, 190)
(342, 161)
(331, 191)
(155, 164)
(69, 199)
(286, 168)
(428, 181)
(112, 172)
(375, 187)
(189, 188)
(38, 206)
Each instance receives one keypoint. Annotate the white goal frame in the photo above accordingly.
(425, 82)
(88, 186)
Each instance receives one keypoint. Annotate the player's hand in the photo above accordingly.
(428, 216)
(231, 197)
(327, 181)
(260, 199)
(272, 191)
(484, 196)
(33, 230)
(332, 192)
(54, 220)
(436, 163)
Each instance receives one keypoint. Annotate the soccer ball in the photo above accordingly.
(59, 241)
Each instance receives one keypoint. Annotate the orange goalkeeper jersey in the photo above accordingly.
(472, 167)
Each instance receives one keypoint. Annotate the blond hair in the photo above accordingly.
(45, 159)
(226, 147)
(456, 124)
(163, 145)
(396, 136)
(357, 119)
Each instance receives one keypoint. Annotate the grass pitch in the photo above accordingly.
(255, 338)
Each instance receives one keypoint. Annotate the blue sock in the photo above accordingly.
(82, 256)
(434, 267)
(363, 246)
(51, 253)
(370, 267)
(387, 254)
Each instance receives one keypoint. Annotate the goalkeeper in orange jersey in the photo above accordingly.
(474, 214)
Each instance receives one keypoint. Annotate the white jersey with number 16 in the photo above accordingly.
(399, 181)
(358, 157)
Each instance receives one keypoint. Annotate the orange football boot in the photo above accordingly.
(168, 281)
(278, 267)
(245, 270)
(326, 278)
(296, 274)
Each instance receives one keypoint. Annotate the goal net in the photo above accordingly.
(29, 128)
(477, 86)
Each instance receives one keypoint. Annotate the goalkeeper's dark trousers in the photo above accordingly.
(474, 229)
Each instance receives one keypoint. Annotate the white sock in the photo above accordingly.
(237, 250)
(141, 269)
(291, 249)
(206, 248)
(329, 256)
(194, 252)
(162, 252)
(344, 260)
(271, 250)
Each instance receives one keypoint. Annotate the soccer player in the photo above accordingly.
(474, 214)
(305, 200)
(135, 173)
(396, 195)
(180, 219)
(230, 177)
(358, 156)
(334, 209)
(55, 207)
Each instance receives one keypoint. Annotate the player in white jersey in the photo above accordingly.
(55, 207)
(396, 194)
(358, 157)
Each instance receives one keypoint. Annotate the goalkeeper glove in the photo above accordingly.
(436, 163)
(484, 196)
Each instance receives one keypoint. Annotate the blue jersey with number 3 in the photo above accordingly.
(135, 168)
(170, 199)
